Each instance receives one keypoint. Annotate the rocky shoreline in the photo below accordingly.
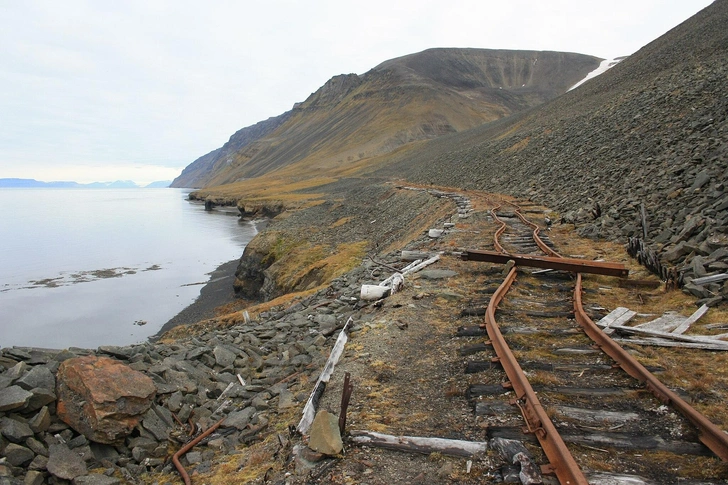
(216, 292)
(248, 372)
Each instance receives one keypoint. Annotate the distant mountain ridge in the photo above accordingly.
(118, 184)
(404, 100)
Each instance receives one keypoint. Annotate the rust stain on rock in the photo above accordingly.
(102, 398)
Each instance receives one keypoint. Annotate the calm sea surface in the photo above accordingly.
(83, 268)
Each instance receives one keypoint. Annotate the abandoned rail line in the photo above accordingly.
(618, 404)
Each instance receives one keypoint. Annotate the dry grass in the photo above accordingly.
(307, 267)
(269, 189)
(341, 222)
(704, 467)
(518, 146)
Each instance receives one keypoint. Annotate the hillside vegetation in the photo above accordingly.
(422, 96)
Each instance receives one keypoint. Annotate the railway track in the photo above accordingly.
(583, 398)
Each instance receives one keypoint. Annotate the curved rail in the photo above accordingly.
(175, 458)
(564, 465)
(711, 436)
(499, 231)
(536, 238)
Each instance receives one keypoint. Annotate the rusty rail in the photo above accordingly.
(499, 231)
(711, 436)
(565, 264)
(175, 459)
(538, 422)
(566, 469)
(539, 242)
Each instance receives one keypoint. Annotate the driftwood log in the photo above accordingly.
(414, 444)
(309, 411)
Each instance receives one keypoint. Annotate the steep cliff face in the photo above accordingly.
(412, 98)
(198, 173)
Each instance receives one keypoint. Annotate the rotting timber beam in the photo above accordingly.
(564, 264)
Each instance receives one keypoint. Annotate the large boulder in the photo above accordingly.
(102, 398)
(325, 436)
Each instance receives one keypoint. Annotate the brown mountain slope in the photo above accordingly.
(651, 131)
(415, 97)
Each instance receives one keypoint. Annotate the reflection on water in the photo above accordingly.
(80, 267)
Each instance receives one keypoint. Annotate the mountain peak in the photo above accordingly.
(411, 98)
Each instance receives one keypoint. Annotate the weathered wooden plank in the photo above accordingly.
(596, 416)
(472, 312)
(627, 441)
(309, 410)
(474, 349)
(701, 339)
(665, 323)
(421, 265)
(536, 314)
(691, 319)
(614, 479)
(618, 321)
(658, 342)
(475, 366)
(612, 316)
(586, 417)
(416, 444)
(710, 279)
(475, 390)
(566, 264)
(475, 331)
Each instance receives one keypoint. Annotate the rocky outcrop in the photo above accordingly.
(102, 398)
(258, 256)
(260, 210)
(303, 249)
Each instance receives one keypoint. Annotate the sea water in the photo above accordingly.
(85, 267)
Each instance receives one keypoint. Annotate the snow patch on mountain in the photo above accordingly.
(604, 66)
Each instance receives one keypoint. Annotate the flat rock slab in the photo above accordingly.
(65, 463)
(436, 274)
(14, 397)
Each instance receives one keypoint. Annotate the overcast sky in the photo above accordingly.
(103, 90)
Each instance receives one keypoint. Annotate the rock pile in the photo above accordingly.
(57, 424)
